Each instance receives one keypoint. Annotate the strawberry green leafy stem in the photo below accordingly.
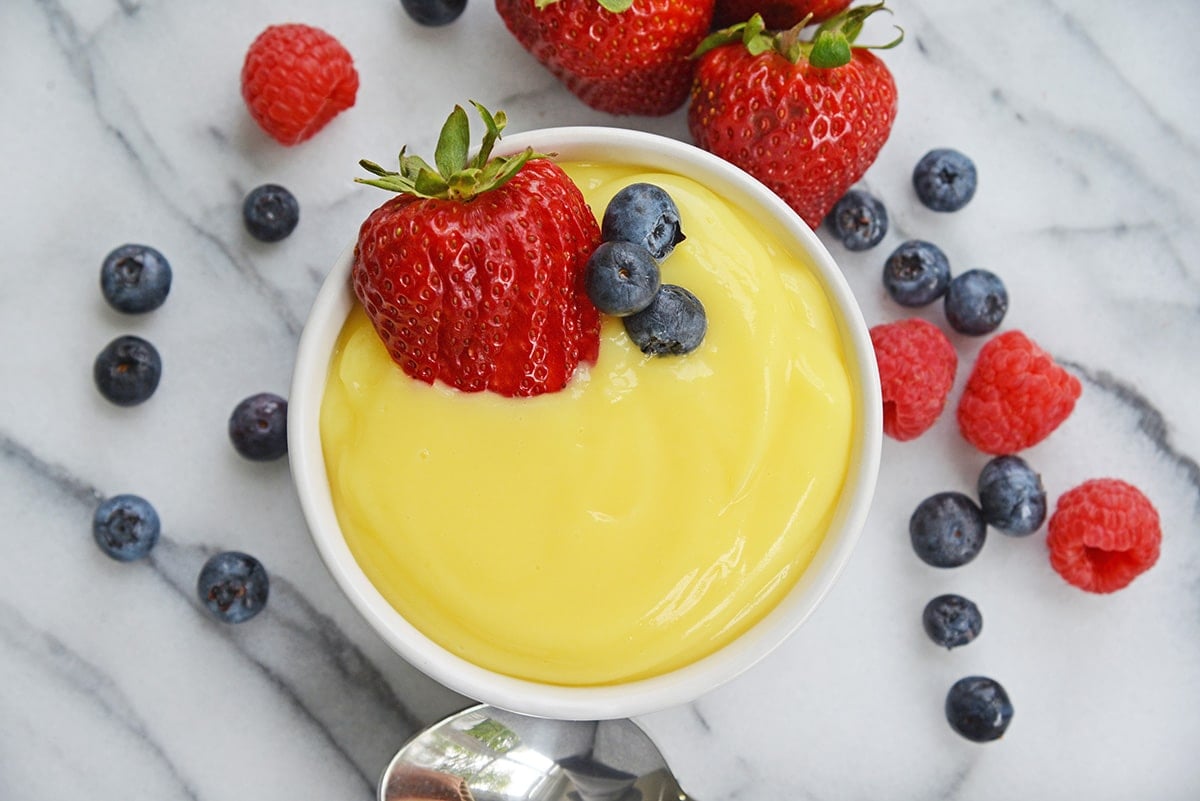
(829, 47)
(457, 175)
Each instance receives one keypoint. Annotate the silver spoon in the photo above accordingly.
(486, 754)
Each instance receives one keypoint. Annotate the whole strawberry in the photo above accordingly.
(807, 118)
(618, 56)
(777, 14)
(295, 79)
(473, 274)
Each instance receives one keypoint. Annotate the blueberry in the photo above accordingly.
(621, 278)
(233, 586)
(674, 323)
(1011, 496)
(947, 529)
(916, 274)
(859, 220)
(135, 279)
(645, 215)
(258, 427)
(433, 13)
(976, 302)
(270, 212)
(978, 708)
(952, 620)
(945, 180)
(127, 371)
(126, 527)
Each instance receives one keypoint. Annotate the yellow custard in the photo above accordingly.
(632, 523)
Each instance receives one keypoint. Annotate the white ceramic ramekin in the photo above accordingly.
(325, 321)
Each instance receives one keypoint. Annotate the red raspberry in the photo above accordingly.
(1016, 395)
(1103, 534)
(916, 371)
(297, 78)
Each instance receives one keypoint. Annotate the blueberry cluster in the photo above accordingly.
(948, 529)
(135, 279)
(917, 273)
(640, 228)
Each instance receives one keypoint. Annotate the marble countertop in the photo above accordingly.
(123, 123)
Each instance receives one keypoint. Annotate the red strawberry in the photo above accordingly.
(807, 118)
(619, 56)
(777, 14)
(296, 78)
(473, 275)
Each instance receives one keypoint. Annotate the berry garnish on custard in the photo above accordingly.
(646, 215)
(473, 274)
(622, 278)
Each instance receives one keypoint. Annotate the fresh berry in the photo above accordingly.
(128, 370)
(1103, 534)
(645, 215)
(233, 586)
(916, 274)
(135, 279)
(1015, 396)
(806, 118)
(976, 302)
(777, 14)
(947, 530)
(473, 274)
(126, 527)
(622, 278)
(951, 620)
(434, 13)
(270, 212)
(978, 708)
(1011, 496)
(945, 180)
(916, 364)
(295, 79)
(258, 427)
(673, 324)
(618, 56)
(859, 220)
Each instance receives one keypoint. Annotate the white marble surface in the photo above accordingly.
(122, 122)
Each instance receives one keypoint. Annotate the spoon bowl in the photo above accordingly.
(488, 753)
